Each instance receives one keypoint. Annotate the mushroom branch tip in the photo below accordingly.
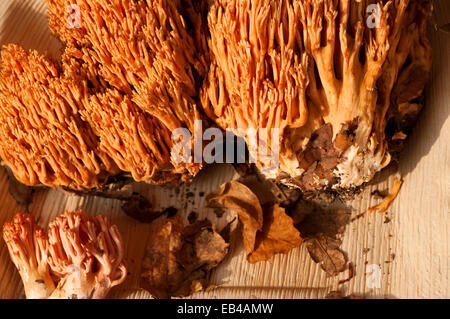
(80, 258)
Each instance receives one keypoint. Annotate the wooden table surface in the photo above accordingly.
(411, 251)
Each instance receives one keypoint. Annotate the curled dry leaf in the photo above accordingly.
(264, 189)
(269, 191)
(267, 230)
(239, 198)
(179, 259)
(203, 247)
(159, 263)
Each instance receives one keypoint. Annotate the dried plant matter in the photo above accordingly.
(266, 229)
(277, 236)
(179, 259)
(82, 257)
(322, 229)
(386, 202)
(300, 65)
(239, 198)
(325, 251)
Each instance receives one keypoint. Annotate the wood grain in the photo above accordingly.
(412, 249)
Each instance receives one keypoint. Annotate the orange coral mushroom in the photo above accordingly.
(42, 136)
(54, 132)
(322, 74)
(128, 78)
(316, 71)
(153, 51)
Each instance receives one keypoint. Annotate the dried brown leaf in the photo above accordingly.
(262, 188)
(266, 230)
(239, 198)
(278, 235)
(179, 259)
(321, 228)
(203, 247)
(325, 250)
(313, 220)
(159, 264)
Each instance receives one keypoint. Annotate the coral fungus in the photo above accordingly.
(330, 75)
(82, 257)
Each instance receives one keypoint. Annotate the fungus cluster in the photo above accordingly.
(340, 81)
(80, 258)
(128, 77)
(329, 74)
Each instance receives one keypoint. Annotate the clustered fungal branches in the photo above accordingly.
(327, 73)
(81, 258)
